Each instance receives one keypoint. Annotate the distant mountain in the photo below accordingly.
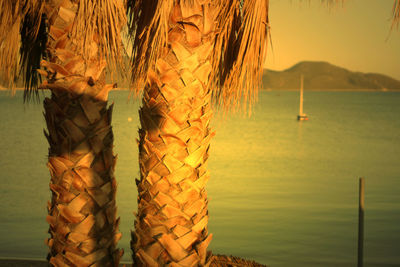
(317, 76)
(325, 76)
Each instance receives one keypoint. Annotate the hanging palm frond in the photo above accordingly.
(333, 3)
(396, 14)
(148, 28)
(228, 24)
(22, 42)
(105, 20)
(22, 48)
(11, 15)
(240, 49)
(328, 3)
(33, 46)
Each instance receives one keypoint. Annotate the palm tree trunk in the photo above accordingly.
(171, 223)
(82, 211)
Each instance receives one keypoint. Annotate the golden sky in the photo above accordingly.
(356, 36)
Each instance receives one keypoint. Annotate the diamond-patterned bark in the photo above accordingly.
(171, 224)
(82, 212)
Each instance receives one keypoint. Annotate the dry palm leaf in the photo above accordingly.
(102, 18)
(148, 28)
(231, 261)
(239, 51)
(21, 40)
(10, 21)
(23, 48)
(33, 47)
(332, 3)
(328, 3)
(396, 14)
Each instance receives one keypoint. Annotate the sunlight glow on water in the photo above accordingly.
(281, 192)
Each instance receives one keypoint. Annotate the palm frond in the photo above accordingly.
(103, 20)
(396, 14)
(11, 15)
(33, 47)
(228, 25)
(148, 29)
(333, 3)
(328, 3)
(240, 49)
(21, 23)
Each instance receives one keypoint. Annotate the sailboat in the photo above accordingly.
(301, 116)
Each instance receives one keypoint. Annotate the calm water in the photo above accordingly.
(282, 193)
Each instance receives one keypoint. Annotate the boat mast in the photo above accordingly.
(301, 95)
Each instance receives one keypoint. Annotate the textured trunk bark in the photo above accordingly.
(171, 223)
(82, 211)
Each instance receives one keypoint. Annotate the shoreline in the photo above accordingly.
(34, 262)
(23, 262)
(217, 261)
(331, 90)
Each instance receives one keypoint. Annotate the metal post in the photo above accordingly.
(361, 224)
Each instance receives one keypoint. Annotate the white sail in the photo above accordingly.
(301, 116)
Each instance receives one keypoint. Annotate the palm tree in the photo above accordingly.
(186, 55)
(71, 40)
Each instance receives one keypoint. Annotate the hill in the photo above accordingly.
(325, 76)
(317, 76)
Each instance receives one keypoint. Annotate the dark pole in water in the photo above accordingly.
(361, 224)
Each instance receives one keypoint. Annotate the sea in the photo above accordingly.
(281, 192)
